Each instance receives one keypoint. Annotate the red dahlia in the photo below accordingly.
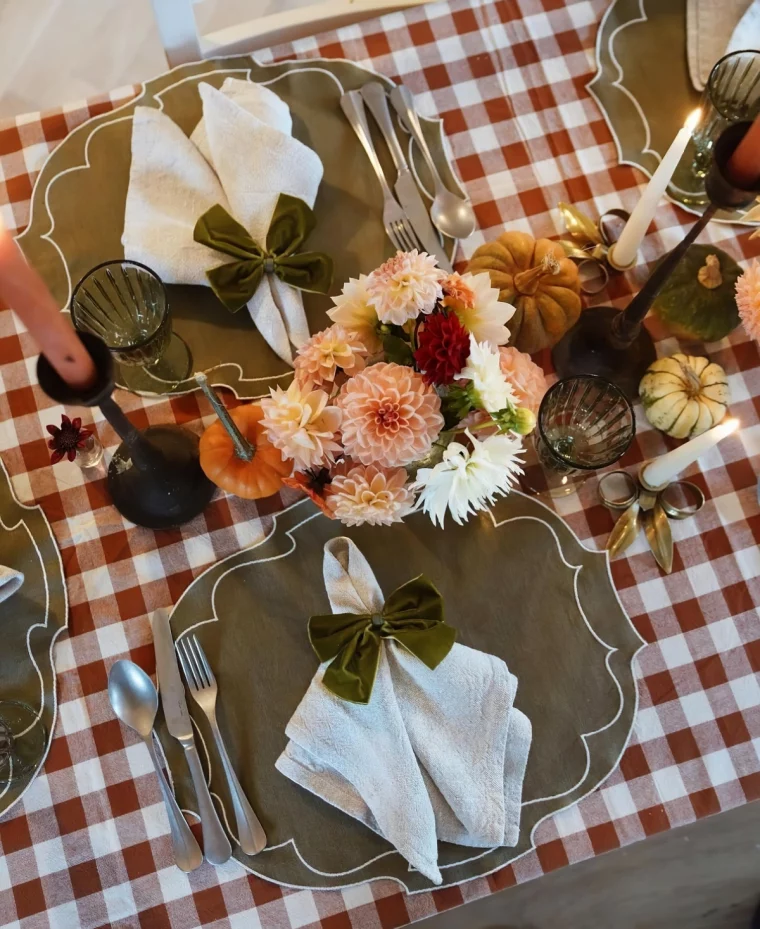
(443, 348)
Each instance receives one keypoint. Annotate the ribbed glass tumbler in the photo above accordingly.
(584, 423)
(125, 304)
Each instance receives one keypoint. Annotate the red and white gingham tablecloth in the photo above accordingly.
(88, 846)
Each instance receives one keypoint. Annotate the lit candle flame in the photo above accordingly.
(731, 425)
(692, 119)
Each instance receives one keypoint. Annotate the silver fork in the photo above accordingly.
(202, 684)
(395, 220)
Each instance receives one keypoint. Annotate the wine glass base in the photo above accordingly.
(173, 367)
(141, 495)
(688, 182)
(540, 481)
(588, 348)
(28, 740)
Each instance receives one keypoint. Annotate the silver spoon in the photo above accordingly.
(135, 701)
(451, 214)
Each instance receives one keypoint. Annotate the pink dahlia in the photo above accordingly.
(404, 286)
(302, 424)
(319, 359)
(748, 299)
(369, 494)
(443, 348)
(390, 415)
(525, 376)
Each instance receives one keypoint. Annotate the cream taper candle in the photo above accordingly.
(662, 470)
(623, 252)
(24, 291)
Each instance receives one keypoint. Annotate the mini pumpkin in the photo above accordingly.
(698, 300)
(259, 476)
(536, 277)
(684, 396)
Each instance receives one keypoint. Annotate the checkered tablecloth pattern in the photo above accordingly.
(88, 846)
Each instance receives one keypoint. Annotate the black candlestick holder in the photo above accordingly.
(154, 478)
(613, 343)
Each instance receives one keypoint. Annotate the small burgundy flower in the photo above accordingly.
(443, 347)
(313, 482)
(67, 439)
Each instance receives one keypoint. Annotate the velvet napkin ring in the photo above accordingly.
(237, 281)
(412, 616)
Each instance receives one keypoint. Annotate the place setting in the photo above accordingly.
(133, 273)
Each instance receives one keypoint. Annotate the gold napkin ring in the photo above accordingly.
(616, 503)
(682, 512)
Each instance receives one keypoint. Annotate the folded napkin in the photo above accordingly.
(436, 754)
(746, 34)
(716, 27)
(10, 581)
(241, 156)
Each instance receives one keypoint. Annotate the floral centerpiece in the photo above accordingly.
(408, 400)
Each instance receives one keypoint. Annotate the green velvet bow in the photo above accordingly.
(236, 282)
(412, 615)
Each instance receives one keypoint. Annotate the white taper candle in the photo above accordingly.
(623, 252)
(662, 470)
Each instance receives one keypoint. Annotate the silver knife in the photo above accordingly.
(216, 845)
(406, 188)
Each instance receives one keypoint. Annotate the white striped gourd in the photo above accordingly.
(683, 395)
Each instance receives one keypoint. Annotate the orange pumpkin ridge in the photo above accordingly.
(537, 278)
(262, 475)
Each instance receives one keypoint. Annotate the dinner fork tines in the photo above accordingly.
(202, 685)
(397, 225)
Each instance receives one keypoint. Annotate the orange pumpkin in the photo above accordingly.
(262, 475)
(538, 280)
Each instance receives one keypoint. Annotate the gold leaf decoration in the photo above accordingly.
(659, 536)
(581, 227)
(625, 531)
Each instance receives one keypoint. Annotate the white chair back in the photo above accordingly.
(178, 24)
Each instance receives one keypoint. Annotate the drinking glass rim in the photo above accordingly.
(559, 455)
(138, 264)
(718, 63)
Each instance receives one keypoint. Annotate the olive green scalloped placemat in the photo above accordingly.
(516, 583)
(30, 620)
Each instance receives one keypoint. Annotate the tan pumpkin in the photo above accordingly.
(683, 395)
(536, 277)
(262, 475)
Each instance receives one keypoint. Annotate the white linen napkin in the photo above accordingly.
(240, 155)
(434, 755)
(747, 32)
(716, 27)
(10, 581)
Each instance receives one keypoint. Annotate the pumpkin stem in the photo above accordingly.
(709, 274)
(692, 384)
(243, 448)
(526, 282)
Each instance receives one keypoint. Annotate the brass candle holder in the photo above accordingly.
(649, 508)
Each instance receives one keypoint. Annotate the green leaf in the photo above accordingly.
(455, 405)
(397, 350)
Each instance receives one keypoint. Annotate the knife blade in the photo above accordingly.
(405, 187)
(412, 204)
(170, 684)
(216, 845)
